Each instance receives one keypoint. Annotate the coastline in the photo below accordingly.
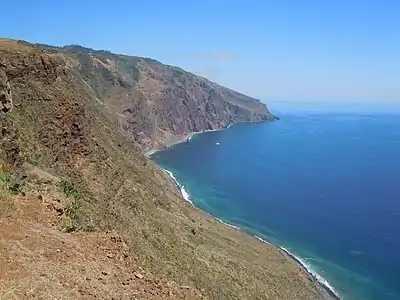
(326, 291)
(183, 139)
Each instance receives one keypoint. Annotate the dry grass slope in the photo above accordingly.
(68, 153)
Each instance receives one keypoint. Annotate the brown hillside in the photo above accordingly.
(156, 103)
(70, 173)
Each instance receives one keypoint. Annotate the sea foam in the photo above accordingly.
(307, 267)
(312, 272)
(262, 240)
(151, 152)
(172, 176)
(301, 261)
(227, 224)
(184, 193)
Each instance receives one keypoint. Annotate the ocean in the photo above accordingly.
(324, 186)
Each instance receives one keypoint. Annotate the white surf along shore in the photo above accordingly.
(185, 195)
(313, 273)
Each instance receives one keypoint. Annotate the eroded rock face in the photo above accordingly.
(156, 104)
(9, 144)
(5, 94)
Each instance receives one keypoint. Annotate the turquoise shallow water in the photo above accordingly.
(324, 186)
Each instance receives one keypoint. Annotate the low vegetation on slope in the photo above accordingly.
(62, 147)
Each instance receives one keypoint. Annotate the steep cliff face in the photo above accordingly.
(69, 174)
(156, 103)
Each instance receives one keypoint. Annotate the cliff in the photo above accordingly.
(84, 215)
(156, 103)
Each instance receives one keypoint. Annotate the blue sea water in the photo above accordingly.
(324, 186)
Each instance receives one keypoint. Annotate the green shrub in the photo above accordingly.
(15, 189)
(34, 161)
(10, 187)
(4, 177)
(69, 189)
(73, 209)
(72, 212)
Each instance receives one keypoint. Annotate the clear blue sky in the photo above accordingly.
(275, 50)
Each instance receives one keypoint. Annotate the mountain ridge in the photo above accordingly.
(64, 152)
(169, 101)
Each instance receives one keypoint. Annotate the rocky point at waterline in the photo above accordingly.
(83, 211)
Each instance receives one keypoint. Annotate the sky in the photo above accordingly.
(324, 51)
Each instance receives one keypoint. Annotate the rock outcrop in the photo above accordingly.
(156, 103)
(6, 103)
